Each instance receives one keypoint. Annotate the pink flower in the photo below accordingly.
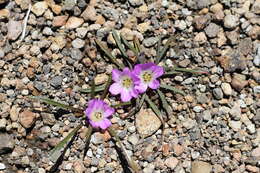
(147, 75)
(124, 84)
(98, 113)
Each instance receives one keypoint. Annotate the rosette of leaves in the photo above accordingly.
(155, 99)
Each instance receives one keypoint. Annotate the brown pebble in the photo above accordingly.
(27, 118)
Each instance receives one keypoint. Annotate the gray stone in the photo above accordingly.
(48, 119)
(256, 89)
(212, 30)
(47, 31)
(227, 90)
(2, 166)
(235, 125)
(6, 144)
(231, 21)
(133, 139)
(78, 43)
(198, 109)
(135, 2)
(217, 93)
(69, 4)
(148, 42)
(56, 81)
(14, 29)
(189, 123)
(206, 115)
(235, 111)
(76, 54)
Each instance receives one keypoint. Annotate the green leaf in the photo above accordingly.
(121, 104)
(121, 48)
(193, 71)
(131, 47)
(118, 43)
(107, 86)
(137, 45)
(97, 89)
(57, 151)
(165, 104)
(93, 88)
(55, 103)
(164, 50)
(168, 87)
(109, 55)
(130, 161)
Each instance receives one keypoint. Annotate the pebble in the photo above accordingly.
(39, 8)
(257, 56)
(47, 31)
(2, 123)
(200, 167)
(235, 125)
(200, 37)
(200, 22)
(226, 88)
(198, 109)
(217, 93)
(2, 166)
(89, 14)
(27, 118)
(256, 7)
(212, 30)
(76, 54)
(147, 122)
(78, 43)
(133, 139)
(101, 79)
(189, 123)
(256, 89)
(59, 21)
(56, 81)
(256, 152)
(148, 42)
(7, 143)
(207, 115)
(14, 29)
(235, 111)
(239, 82)
(74, 22)
(4, 13)
(171, 162)
(231, 21)
(135, 3)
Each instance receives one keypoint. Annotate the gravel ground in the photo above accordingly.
(215, 127)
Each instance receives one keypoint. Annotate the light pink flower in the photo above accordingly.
(147, 75)
(124, 84)
(98, 113)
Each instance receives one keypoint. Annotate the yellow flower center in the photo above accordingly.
(147, 77)
(97, 116)
(127, 82)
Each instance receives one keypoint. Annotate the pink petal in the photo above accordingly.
(158, 71)
(134, 93)
(141, 88)
(125, 95)
(104, 124)
(108, 111)
(154, 84)
(115, 88)
(116, 74)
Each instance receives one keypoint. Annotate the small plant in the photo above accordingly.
(131, 79)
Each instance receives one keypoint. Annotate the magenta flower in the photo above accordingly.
(147, 75)
(124, 84)
(98, 113)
